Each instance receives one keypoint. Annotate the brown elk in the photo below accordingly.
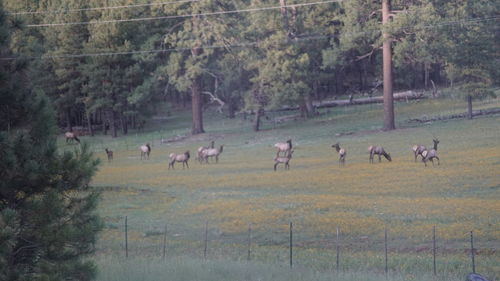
(179, 158)
(431, 154)
(109, 153)
(283, 147)
(211, 152)
(70, 137)
(342, 154)
(375, 149)
(285, 160)
(145, 150)
(202, 148)
(417, 150)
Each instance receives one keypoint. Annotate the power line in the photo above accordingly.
(241, 45)
(238, 45)
(100, 8)
(184, 16)
(459, 22)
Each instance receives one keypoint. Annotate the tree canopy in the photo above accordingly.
(48, 223)
(107, 66)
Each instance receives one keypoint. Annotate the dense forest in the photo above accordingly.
(106, 65)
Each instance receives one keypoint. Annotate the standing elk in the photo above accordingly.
(145, 150)
(211, 152)
(375, 149)
(342, 154)
(109, 153)
(285, 160)
(179, 158)
(283, 147)
(431, 154)
(202, 148)
(417, 150)
(70, 137)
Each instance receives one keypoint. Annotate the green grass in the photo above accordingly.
(217, 270)
(317, 195)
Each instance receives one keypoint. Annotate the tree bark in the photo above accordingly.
(114, 129)
(124, 121)
(197, 113)
(68, 120)
(89, 123)
(469, 107)
(387, 70)
(426, 75)
(256, 121)
(231, 109)
(310, 110)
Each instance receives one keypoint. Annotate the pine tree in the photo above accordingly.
(472, 50)
(68, 39)
(48, 223)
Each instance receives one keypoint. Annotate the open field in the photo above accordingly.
(362, 199)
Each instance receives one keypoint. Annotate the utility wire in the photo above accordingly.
(184, 16)
(238, 45)
(100, 8)
(241, 45)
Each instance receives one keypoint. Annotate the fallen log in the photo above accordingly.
(425, 119)
(408, 95)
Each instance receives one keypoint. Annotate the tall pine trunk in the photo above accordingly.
(123, 120)
(387, 69)
(469, 107)
(89, 123)
(310, 110)
(68, 120)
(231, 109)
(114, 127)
(196, 103)
(256, 121)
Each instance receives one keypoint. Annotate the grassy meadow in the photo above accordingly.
(460, 195)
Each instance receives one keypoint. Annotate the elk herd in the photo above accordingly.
(283, 154)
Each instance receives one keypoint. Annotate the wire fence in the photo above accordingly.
(289, 245)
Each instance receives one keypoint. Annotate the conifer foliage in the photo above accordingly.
(48, 223)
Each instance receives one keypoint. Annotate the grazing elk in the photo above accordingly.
(283, 147)
(285, 160)
(211, 152)
(375, 149)
(342, 154)
(431, 154)
(202, 148)
(179, 158)
(70, 137)
(109, 153)
(417, 150)
(145, 150)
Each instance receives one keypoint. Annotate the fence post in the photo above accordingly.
(249, 240)
(434, 248)
(385, 239)
(164, 242)
(206, 241)
(126, 238)
(338, 250)
(291, 245)
(472, 252)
